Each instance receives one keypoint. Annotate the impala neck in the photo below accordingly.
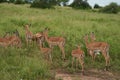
(86, 40)
(46, 36)
(27, 30)
(41, 46)
(92, 37)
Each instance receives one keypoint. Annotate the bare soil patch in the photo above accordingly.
(92, 74)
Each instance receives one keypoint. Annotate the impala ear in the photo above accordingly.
(92, 32)
(48, 28)
(29, 25)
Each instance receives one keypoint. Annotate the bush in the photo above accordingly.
(111, 8)
(19, 2)
(2, 1)
(79, 4)
(11, 1)
(85, 5)
(97, 6)
(43, 3)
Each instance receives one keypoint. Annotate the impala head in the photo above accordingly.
(16, 33)
(92, 36)
(7, 34)
(27, 26)
(79, 46)
(45, 31)
(86, 39)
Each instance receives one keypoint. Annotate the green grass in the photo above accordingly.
(28, 64)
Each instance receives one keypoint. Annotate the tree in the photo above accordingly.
(46, 3)
(2, 1)
(43, 3)
(80, 4)
(111, 8)
(19, 1)
(97, 6)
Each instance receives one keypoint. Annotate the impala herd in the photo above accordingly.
(93, 47)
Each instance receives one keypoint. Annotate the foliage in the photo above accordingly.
(111, 8)
(2, 1)
(28, 63)
(97, 6)
(43, 3)
(80, 4)
(19, 1)
(12, 1)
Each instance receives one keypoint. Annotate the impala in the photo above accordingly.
(29, 36)
(11, 40)
(55, 41)
(79, 55)
(17, 41)
(46, 51)
(95, 47)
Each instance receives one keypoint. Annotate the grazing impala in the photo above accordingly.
(79, 55)
(11, 40)
(55, 41)
(46, 51)
(7, 34)
(17, 41)
(95, 47)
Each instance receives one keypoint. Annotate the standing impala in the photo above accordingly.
(29, 36)
(55, 41)
(79, 55)
(95, 47)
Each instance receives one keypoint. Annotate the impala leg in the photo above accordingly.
(72, 61)
(91, 54)
(106, 59)
(76, 63)
(63, 52)
(95, 56)
(81, 60)
(50, 57)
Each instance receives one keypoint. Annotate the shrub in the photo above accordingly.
(97, 6)
(11, 1)
(2, 1)
(111, 8)
(80, 4)
(19, 2)
(43, 3)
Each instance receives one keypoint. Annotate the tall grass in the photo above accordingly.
(27, 63)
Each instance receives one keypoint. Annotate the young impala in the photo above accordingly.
(95, 47)
(55, 41)
(46, 51)
(79, 55)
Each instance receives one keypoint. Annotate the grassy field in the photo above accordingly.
(28, 63)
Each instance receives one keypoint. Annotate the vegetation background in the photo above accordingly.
(28, 63)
